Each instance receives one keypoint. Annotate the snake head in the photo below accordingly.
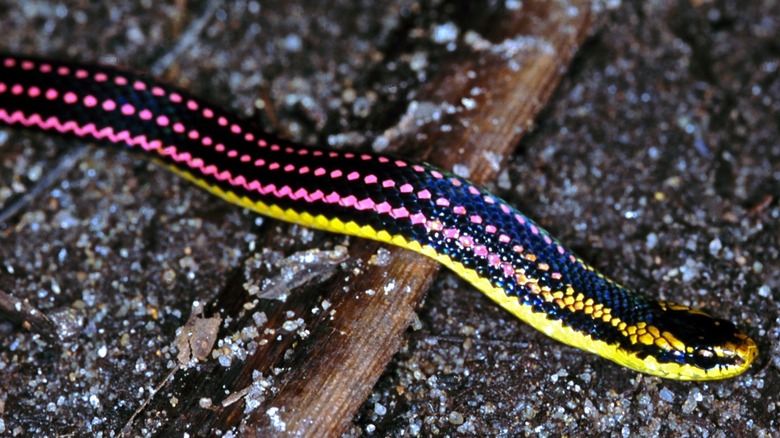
(697, 346)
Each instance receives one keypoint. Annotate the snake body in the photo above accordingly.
(413, 205)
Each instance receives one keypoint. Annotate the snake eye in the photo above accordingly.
(705, 358)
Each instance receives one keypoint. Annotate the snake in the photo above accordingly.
(413, 205)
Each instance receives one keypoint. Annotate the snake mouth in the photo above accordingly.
(745, 351)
